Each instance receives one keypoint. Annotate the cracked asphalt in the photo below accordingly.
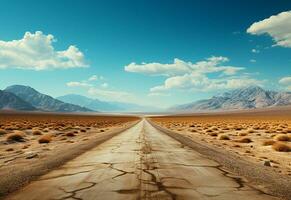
(140, 163)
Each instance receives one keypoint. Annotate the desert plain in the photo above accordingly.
(221, 155)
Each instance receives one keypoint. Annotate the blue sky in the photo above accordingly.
(128, 48)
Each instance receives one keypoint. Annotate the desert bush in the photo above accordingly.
(243, 134)
(268, 142)
(212, 134)
(281, 137)
(3, 132)
(83, 130)
(280, 146)
(45, 139)
(223, 137)
(16, 136)
(70, 134)
(244, 140)
(36, 132)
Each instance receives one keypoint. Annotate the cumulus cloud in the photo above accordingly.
(285, 80)
(277, 26)
(203, 83)
(78, 84)
(180, 67)
(35, 51)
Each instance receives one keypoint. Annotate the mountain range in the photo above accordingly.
(19, 97)
(105, 106)
(244, 98)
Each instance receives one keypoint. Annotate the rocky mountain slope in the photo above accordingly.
(9, 101)
(41, 101)
(245, 98)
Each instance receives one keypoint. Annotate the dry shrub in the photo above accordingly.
(45, 139)
(244, 140)
(83, 130)
(268, 142)
(36, 132)
(280, 146)
(223, 137)
(243, 134)
(3, 132)
(70, 134)
(16, 136)
(212, 134)
(251, 131)
(282, 137)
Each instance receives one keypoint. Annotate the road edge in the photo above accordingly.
(17, 178)
(264, 178)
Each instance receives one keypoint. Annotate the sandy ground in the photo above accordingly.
(140, 163)
(68, 137)
(249, 136)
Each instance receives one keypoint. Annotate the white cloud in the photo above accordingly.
(104, 85)
(255, 51)
(78, 84)
(285, 80)
(203, 83)
(277, 26)
(180, 67)
(93, 78)
(35, 51)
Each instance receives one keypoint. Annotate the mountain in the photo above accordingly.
(93, 104)
(245, 98)
(42, 101)
(107, 106)
(9, 101)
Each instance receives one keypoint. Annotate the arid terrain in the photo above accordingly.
(62, 156)
(35, 140)
(262, 136)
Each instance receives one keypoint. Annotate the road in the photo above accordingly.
(139, 163)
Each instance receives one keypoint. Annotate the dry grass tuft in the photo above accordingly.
(280, 146)
(17, 136)
(268, 142)
(244, 140)
(3, 132)
(70, 134)
(223, 137)
(212, 134)
(36, 132)
(282, 137)
(45, 139)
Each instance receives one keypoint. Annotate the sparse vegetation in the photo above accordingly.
(223, 137)
(280, 146)
(16, 136)
(281, 137)
(244, 140)
(45, 139)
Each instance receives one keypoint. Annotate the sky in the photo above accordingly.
(150, 52)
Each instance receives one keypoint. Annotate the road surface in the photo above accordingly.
(140, 163)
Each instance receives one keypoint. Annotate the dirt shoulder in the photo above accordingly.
(15, 175)
(264, 178)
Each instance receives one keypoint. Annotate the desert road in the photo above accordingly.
(139, 163)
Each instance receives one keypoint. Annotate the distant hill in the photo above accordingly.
(93, 104)
(43, 102)
(245, 98)
(106, 106)
(9, 101)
